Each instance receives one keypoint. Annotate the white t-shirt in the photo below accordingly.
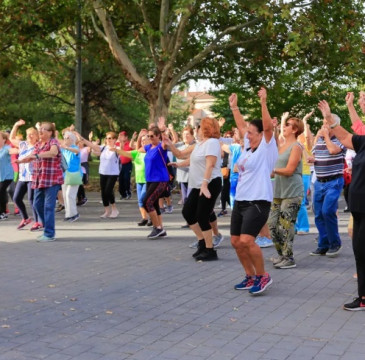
(109, 162)
(198, 162)
(255, 168)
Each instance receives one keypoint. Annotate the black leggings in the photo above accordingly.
(199, 209)
(3, 196)
(23, 187)
(153, 193)
(107, 183)
(358, 244)
(225, 193)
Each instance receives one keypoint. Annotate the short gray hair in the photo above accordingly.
(336, 118)
(71, 136)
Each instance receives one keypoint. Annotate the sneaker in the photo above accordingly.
(346, 209)
(162, 210)
(334, 251)
(59, 208)
(222, 213)
(155, 233)
(149, 223)
(163, 234)
(66, 219)
(128, 197)
(318, 252)
(263, 242)
(143, 222)
(262, 282)
(207, 255)
(44, 238)
(357, 305)
(286, 263)
(36, 227)
(217, 240)
(194, 245)
(200, 247)
(169, 209)
(24, 223)
(186, 226)
(16, 211)
(74, 218)
(276, 260)
(246, 284)
(3, 216)
(82, 202)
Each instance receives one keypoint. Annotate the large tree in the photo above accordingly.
(160, 44)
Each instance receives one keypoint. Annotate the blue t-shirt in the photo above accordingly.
(72, 159)
(236, 150)
(6, 169)
(156, 170)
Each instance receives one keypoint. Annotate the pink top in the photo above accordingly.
(358, 127)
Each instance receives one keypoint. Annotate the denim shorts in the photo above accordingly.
(248, 217)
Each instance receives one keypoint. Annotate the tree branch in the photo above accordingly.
(117, 50)
(150, 39)
(163, 20)
(98, 30)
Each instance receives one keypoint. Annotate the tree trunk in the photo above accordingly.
(158, 107)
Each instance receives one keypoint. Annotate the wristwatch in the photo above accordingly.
(333, 125)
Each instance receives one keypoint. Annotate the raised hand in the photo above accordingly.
(221, 121)
(161, 123)
(284, 117)
(325, 109)
(274, 121)
(307, 116)
(349, 98)
(262, 94)
(20, 122)
(233, 100)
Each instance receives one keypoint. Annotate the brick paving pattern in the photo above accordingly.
(104, 291)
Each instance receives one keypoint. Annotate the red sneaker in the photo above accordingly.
(24, 223)
(36, 227)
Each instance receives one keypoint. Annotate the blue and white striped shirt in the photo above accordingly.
(327, 164)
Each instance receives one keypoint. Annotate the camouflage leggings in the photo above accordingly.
(282, 218)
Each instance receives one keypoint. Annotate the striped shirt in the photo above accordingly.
(326, 164)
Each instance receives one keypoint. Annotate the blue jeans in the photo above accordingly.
(141, 193)
(302, 223)
(44, 203)
(325, 207)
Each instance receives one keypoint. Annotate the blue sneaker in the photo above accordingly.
(246, 284)
(217, 240)
(44, 238)
(262, 282)
(263, 242)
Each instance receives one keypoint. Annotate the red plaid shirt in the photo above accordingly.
(47, 171)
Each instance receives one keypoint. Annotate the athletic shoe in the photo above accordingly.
(82, 202)
(194, 245)
(276, 260)
(262, 282)
(207, 255)
(59, 208)
(66, 219)
(24, 223)
(334, 251)
(155, 233)
(286, 263)
(143, 222)
(357, 305)
(44, 238)
(217, 240)
(128, 197)
(162, 210)
(263, 242)
(36, 227)
(3, 216)
(200, 247)
(318, 252)
(169, 209)
(222, 213)
(346, 209)
(113, 214)
(16, 211)
(163, 234)
(186, 226)
(149, 223)
(246, 284)
(74, 218)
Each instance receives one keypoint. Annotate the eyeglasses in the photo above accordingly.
(150, 136)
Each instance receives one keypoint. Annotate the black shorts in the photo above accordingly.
(248, 217)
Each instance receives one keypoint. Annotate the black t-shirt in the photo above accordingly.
(357, 187)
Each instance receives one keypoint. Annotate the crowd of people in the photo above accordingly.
(262, 169)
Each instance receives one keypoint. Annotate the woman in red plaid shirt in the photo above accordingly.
(47, 178)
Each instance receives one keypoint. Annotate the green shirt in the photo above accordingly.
(139, 171)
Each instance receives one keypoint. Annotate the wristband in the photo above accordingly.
(234, 108)
(333, 125)
(206, 180)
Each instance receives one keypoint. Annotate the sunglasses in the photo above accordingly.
(150, 136)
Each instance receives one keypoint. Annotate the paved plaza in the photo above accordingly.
(103, 291)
